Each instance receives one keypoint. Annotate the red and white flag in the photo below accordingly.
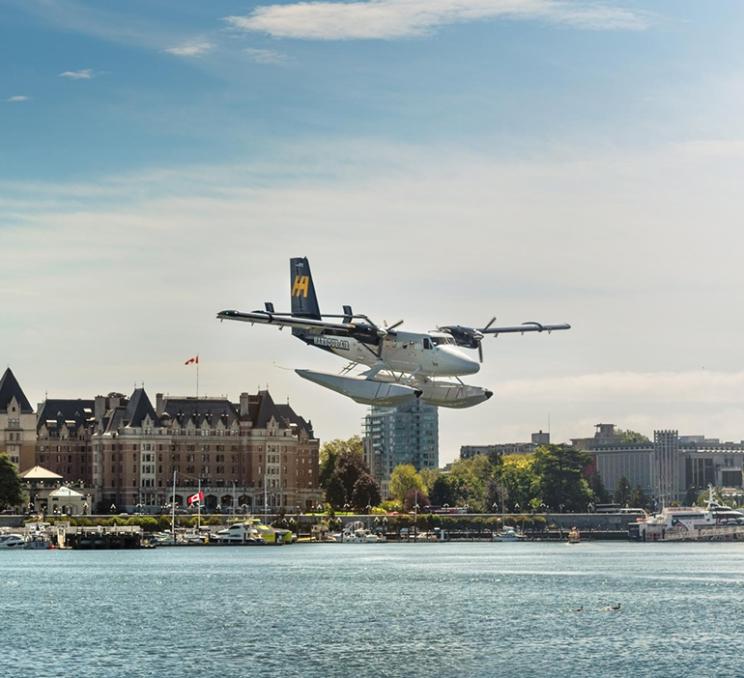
(196, 498)
(192, 361)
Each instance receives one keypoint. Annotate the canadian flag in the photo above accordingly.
(192, 361)
(196, 498)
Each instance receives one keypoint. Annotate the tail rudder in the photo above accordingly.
(302, 289)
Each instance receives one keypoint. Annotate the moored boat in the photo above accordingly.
(508, 534)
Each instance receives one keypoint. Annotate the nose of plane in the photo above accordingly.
(461, 363)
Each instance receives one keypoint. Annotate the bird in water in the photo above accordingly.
(615, 607)
(579, 609)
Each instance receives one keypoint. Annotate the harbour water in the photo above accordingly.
(313, 610)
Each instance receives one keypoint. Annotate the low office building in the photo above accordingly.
(539, 438)
(671, 468)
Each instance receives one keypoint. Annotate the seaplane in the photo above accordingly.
(397, 365)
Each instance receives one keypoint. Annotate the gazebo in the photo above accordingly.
(64, 500)
(40, 482)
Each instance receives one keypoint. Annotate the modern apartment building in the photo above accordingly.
(407, 434)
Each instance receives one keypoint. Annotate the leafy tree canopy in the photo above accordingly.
(403, 478)
(561, 477)
(442, 492)
(11, 488)
(622, 492)
(628, 436)
(341, 466)
(365, 493)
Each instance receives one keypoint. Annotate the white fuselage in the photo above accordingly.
(432, 354)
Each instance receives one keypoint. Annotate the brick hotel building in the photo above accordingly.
(254, 453)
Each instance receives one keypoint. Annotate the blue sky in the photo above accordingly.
(517, 84)
(575, 161)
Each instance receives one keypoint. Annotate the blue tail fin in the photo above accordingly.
(302, 289)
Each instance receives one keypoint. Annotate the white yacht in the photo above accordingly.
(356, 533)
(12, 541)
(508, 534)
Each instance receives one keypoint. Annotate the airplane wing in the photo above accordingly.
(266, 318)
(471, 337)
(525, 327)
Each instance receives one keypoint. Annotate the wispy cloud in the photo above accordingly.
(17, 99)
(82, 74)
(265, 56)
(389, 19)
(190, 49)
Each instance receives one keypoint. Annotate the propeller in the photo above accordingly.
(469, 337)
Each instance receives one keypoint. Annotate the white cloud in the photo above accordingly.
(265, 56)
(389, 19)
(17, 99)
(82, 74)
(190, 49)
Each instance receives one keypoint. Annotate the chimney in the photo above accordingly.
(244, 400)
(99, 407)
(159, 404)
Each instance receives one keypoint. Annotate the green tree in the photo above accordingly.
(11, 489)
(630, 437)
(332, 450)
(639, 499)
(442, 492)
(429, 477)
(335, 492)
(601, 495)
(470, 479)
(622, 492)
(403, 478)
(366, 492)
(560, 469)
(516, 482)
(341, 463)
(415, 497)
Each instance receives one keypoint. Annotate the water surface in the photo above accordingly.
(314, 610)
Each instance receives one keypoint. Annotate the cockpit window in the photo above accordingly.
(427, 342)
(442, 340)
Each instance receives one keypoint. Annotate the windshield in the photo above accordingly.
(442, 340)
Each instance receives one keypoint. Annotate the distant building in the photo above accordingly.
(671, 468)
(407, 434)
(255, 453)
(17, 422)
(63, 438)
(537, 439)
(123, 452)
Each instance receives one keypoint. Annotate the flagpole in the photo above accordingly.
(198, 508)
(197, 376)
(173, 509)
